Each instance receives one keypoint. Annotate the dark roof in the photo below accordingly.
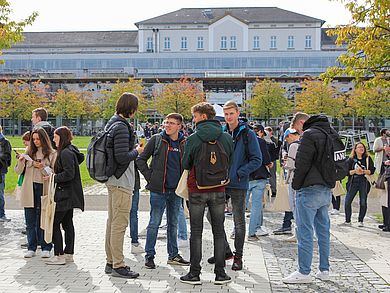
(327, 40)
(79, 38)
(245, 14)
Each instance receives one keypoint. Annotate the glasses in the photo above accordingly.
(170, 123)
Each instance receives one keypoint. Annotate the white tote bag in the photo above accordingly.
(182, 188)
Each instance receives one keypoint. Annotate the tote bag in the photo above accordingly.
(182, 188)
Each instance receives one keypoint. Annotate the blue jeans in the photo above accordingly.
(182, 224)
(312, 211)
(2, 200)
(158, 202)
(361, 186)
(134, 217)
(256, 187)
(33, 222)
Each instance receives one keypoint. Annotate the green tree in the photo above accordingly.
(268, 100)
(68, 104)
(370, 102)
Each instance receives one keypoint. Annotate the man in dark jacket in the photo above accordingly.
(312, 200)
(162, 176)
(206, 130)
(121, 184)
(39, 119)
(5, 162)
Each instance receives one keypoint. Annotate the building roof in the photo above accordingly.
(245, 14)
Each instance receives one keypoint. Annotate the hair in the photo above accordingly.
(298, 116)
(41, 112)
(65, 135)
(175, 116)
(204, 108)
(26, 136)
(269, 129)
(45, 143)
(382, 132)
(231, 104)
(127, 105)
(1, 129)
(353, 152)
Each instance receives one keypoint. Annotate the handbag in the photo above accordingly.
(281, 203)
(338, 190)
(182, 188)
(380, 183)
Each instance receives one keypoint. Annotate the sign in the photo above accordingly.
(222, 98)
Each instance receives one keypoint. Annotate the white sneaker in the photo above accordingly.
(68, 257)
(346, 224)
(292, 239)
(56, 260)
(45, 254)
(136, 248)
(334, 212)
(297, 278)
(232, 236)
(29, 254)
(323, 276)
(261, 232)
(181, 243)
(360, 224)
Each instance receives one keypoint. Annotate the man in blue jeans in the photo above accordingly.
(313, 198)
(5, 162)
(162, 176)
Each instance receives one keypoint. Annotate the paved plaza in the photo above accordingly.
(360, 259)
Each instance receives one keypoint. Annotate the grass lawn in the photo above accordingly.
(11, 178)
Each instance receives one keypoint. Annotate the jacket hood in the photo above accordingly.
(75, 150)
(166, 136)
(208, 130)
(317, 120)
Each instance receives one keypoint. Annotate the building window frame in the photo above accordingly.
(233, 42)
(183, 43)
(256, 42)
(167, 43)
(290, 42)
(223, 43)
(149, 44)
(273, 44)
(308, 42)
(200, 43)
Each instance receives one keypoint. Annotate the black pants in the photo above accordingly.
(287, 219)
(66, 219)
(358, 185)
(386, 210)
(336, 200)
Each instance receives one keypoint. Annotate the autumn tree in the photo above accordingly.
(179, 97)
(370, 102)
(268, 100)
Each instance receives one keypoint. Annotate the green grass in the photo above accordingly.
(378, 217)
(16, 142)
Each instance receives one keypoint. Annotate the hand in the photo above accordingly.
(359, 171)
(139, 148)
(21, 158)
(387, 163)
(270, 165)
(386, 148)
(38, 165)
(45, 178)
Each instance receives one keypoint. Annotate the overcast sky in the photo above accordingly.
(83, 15)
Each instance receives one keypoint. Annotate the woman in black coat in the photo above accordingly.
(68, 194)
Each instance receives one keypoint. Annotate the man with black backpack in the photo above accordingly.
(5, 162)
(39, 119)
(207, 154)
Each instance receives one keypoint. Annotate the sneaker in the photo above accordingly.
(386, 229)
(237, 263)
(181, 243)
(253, 238)
(297, 278)
(261, 232)
(45, 254)
(124, 272)
(282, 231)
(149, 263)
(24, 245)
(228, 256)
(221, 279)
(334, 212)
(136, 248)
(323, 276)
(108, 268)
(178, 260)
(4, 219)
(360, 224)
(69, 257)
(191, 279)
(56, 260)
(29, 254)
(292, 239)
(24, 232)
(346, 224)
(381, 226)
(232, 236)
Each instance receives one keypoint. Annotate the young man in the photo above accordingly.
(162, 176)
(5, 162)
(273, 149)
(121, 184)
(206, 130)
(39, 119)
(247, 158)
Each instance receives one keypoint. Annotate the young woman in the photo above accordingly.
(360, 164)
(39, 155)
(68, 195)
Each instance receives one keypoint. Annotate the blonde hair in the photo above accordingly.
(298, 116)
(231, 104)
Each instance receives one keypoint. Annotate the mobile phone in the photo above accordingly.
(142, 141)
(16, 152)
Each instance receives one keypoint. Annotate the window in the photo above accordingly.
(167, 43)
(273, 42)
(223, 43)
(256, 42)
(200, 43)
(149, 44)
(233, 42)
(290, 42)
(183, 43)
(308, 41)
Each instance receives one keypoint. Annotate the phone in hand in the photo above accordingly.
(142, 141)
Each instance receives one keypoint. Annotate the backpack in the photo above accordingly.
(99, 156)
(5, 153)
(212, 169)
(334, 161)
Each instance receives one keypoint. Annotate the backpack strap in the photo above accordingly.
(157, 144)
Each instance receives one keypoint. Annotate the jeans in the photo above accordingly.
(256, 187)
(2, 199)
(182, 224)
(292, 199)
(158, 202)
(33, 222)
(355, 186)
(66, 219)
(215, 201)
(134, 217)
(312, 211)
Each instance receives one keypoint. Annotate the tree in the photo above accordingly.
(317, 97)
(367, 38)
(268, 100)
(370, 102)
(67, 104)
(179, 97)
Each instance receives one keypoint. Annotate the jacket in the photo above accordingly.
(69, 191)
(243, 163)
(5, 154)
(262, 172)
(155, 173)
(378, 144)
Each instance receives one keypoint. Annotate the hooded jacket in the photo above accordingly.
(262, 172)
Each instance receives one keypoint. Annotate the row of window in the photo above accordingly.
(229, 43)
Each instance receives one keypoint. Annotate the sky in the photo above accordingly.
(99, 15)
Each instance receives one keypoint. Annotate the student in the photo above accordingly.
(5, 162)
(39, 119)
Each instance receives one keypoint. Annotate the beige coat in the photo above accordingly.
(32, 175)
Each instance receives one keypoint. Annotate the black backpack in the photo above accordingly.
(212, 168)
(99, 156)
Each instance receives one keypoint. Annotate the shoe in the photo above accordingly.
(323, 276)
(181, 243)
(149, 263)
(237, 263)
(228, 256)
(68, 257)
(273, 194)
(360, 224)
(5, 219)
(334, 212)
(136, 248)
(253, 238)
(56, 260)
(232, 236)
(45, 254)
(283, 231)
(261, 232)
(381, 226)
(29, 254)
(108, 268)
(386, 229)
(124, 272)
(346, 224)
(297, 278)
(191, 279)
(178, 260)
(292, 239)
(221, 279)
(248, 216)
(24, 245)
